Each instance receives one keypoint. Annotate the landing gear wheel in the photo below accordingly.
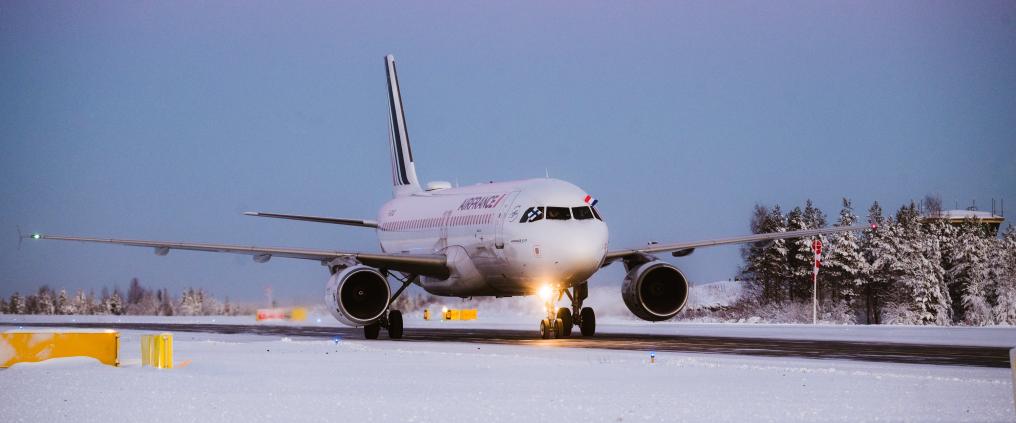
(371, 331)
(588, 322)
(545, 329)
(395, 324)
(564, 316)
(558, 328)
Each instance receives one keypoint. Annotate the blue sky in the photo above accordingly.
(167, 120)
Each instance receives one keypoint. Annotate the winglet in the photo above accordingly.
(22, 236)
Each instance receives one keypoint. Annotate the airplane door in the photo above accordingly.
(442, 241)
(503, 215)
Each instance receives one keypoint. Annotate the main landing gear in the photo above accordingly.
(392, 320)
(560, 321)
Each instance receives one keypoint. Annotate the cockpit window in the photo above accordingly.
(558, 213)
(596, 213)
(582, 213)
(532, 214)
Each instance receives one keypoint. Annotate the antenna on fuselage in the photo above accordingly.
(546, 171)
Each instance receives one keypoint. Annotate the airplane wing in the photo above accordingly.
(333, 220)
(685, 248)
(421, 264)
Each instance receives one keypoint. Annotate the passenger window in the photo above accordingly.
(582, 213)
(558, 213)
(596, 213)
(532, 214)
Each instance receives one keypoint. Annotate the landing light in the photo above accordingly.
(36, 236)
(545, 292)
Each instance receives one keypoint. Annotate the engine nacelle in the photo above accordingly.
(655, 291)
(358, 295)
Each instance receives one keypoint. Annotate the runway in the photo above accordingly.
(815, 349)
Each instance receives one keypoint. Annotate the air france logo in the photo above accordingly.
(473, 203)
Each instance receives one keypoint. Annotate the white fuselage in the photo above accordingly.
(491, 248)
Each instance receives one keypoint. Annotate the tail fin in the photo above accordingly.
(403, 170)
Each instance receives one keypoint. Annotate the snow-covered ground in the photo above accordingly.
(994, 336)
(260, 378)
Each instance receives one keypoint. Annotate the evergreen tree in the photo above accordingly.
(800, 259)
(875, 282)
(113, 303)
(165, 303)
(1004, 274)
(32, 304)
(91, 305)
(771, 266)
(3, 306)
(135, 292)
(752, 273)
(190, 303)
(844, 264)
(80, 303)
(46, 303)
(913, 263)
(969, 275)
(63, 304)
(16, 305)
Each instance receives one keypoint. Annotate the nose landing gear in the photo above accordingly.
(560, 321)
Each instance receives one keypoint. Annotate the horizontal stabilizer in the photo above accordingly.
(333, 220)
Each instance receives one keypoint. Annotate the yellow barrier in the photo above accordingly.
(298, 313)
(426, 314)
(30, 347)
(157, 350)
(457, 314)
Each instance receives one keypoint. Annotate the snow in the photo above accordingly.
(989, 336)
(714, 294)
(261, 378)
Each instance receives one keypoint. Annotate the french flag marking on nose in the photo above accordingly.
(591, 201)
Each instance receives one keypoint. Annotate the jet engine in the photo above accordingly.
(357, 295)
(655, 291)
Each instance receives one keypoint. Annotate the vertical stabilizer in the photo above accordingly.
(403, 170)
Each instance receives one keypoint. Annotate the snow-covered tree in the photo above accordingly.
(191, 302)
(843, 264)
(969, 274)
(80, 304)
(113, 303)
(63, 303)
(46, 303)
(16, 305)
(752, 272)
(912, 260)
(165, 303)
(765, 262)
(1004, 273)
(3, 306)
(875, 285)
(800, 258)
(135, 292)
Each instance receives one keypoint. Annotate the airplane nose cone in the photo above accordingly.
(574, 255)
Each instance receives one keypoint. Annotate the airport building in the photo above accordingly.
(960, 217)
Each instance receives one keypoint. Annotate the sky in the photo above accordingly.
(167, 120)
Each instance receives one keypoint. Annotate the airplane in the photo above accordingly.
(540, 236)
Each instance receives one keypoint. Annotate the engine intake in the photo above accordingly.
(358, 295)
(655, 291)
